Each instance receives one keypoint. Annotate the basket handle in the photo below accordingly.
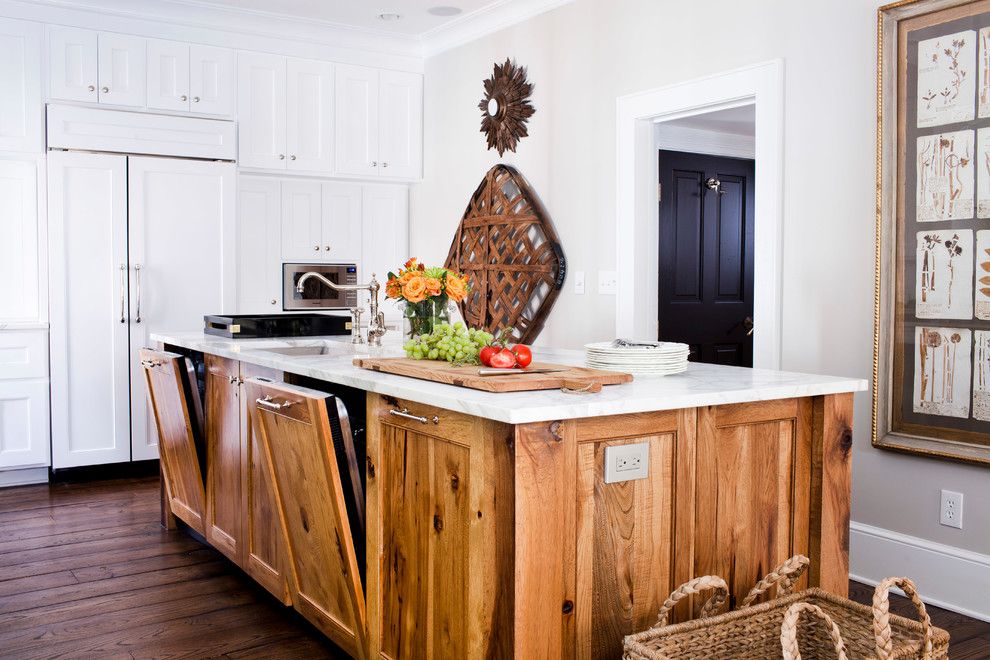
(784, 576)
(788, 631)
(689, 588)
(881, 616)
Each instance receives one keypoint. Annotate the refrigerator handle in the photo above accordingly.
(123, 293)
(137, 282)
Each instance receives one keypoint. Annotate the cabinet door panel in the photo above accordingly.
(356, 90)
(310, 115)
(224, 476)
(259, 258)
(385, 233)
(302, 218)
(122, 69)
(87, 210)
(168, 75)
(400, 126)
(261, 110)
(342, 222)
(20, 266)
(211, 80)
(23, 423)
(20, 86)
(72, 64)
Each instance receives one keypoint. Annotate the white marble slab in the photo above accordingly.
(700, 385)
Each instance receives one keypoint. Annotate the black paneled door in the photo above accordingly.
(706, 256)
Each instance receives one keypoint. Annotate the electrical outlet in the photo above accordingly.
(608, 282)
(579, 282)
(627, 462)
(951, 512)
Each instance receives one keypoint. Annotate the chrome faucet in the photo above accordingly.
(376, 325)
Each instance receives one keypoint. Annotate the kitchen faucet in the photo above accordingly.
(376, 325)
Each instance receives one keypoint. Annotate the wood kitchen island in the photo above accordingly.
(490, 530)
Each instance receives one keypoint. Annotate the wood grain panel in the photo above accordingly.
(264, 548)
(831, 485)
(178, 428)
(224, 528)
(624, 546)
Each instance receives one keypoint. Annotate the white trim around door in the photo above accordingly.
(636, 195)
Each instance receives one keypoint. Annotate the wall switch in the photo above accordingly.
(608, 282)
(579, 282)
(951, 512)
(627, 462)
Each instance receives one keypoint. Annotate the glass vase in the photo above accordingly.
(420, 318)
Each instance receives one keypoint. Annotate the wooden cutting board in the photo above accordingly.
(575, 378)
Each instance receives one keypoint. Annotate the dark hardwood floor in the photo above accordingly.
(86, 571)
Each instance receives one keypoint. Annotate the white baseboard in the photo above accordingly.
(23, 477)
(948, 577)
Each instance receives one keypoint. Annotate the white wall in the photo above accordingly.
(584, 55)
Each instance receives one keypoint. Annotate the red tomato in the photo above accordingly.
(504, 359)
(524, 356)
(486, 355)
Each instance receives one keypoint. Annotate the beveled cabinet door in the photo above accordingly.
(302, 232)
(211, 80)
(72, 64)
(310, 115)
(259, 255)
(224, 475)
(385, 229)
(261, 110)
(400, 126)
(122, 69)
(21, 110)
(356, 91)
(168, 75)
(342, 204)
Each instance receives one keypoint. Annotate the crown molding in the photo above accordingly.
(484, 21)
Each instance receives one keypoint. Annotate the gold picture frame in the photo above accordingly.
(915, 409)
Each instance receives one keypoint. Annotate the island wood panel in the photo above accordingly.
(749, 492)
(830, 488)
(264, 548)
(224, 475)
(439, 536)
(325, 583)
(178, 429)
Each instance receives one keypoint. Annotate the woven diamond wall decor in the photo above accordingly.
(507, 245)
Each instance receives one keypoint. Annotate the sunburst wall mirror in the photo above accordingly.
(505, 107)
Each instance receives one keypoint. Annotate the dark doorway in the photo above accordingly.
(706, 256)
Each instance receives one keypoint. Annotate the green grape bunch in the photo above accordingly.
(454, 343)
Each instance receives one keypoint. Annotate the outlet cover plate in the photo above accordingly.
(627, 462)
(608, 282)
(951, 510)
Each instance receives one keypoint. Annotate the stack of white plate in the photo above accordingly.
(648, 358)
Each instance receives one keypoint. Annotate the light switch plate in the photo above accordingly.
(608, 282)
(579, 282)
(627, 462)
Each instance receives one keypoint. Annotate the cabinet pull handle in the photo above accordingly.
(274, 301)
(316, 247)
(327, 248)
(137, 280)
(195, 99)
(123, 293)
(405, 414)
(269, 402)
(183, 98)
(92, 88)
(105, 90)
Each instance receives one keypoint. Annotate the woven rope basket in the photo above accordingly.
(832, 626)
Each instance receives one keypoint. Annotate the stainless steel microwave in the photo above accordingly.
(316, 294)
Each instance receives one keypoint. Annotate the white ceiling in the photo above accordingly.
(737, 121)
(363, 14)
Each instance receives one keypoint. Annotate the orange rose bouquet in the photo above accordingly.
(426, 294)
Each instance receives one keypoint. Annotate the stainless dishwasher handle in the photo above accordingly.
(123, 293)
(137, 280)
(405, 414)
(269, 402)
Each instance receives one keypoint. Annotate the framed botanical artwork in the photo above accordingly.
(931, 370)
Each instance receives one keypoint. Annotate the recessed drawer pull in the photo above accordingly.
(269, 402)
(405, 414)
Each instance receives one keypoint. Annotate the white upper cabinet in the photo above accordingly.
(308, 99)
(122, 69)
(20, 268)
(72, 64)
(341, 239)
(211, 80)
(20, 86)
(259, 259)
(168, 75)
(386, 231)
(400, 126)
(302, 221)
(379, 122)
(261, 110)
(357, 120)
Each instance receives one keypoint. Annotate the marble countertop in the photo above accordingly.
(700, 385)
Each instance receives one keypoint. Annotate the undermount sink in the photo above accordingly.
(307, 351)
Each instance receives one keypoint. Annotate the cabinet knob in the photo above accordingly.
(274, 301)
(92, 88)
(105, 89)
(195, 99)
(292, 157)
(316, 247)
(183, 98)
(384, 164)
(281, 156)
(374, 163)
(327, 248)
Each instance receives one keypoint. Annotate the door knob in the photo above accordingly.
(274, 301)
(316, 247)
(292, 157)
(326, 247)
(92, 88)
(748, 324)
(195, 99)
(714, 184)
